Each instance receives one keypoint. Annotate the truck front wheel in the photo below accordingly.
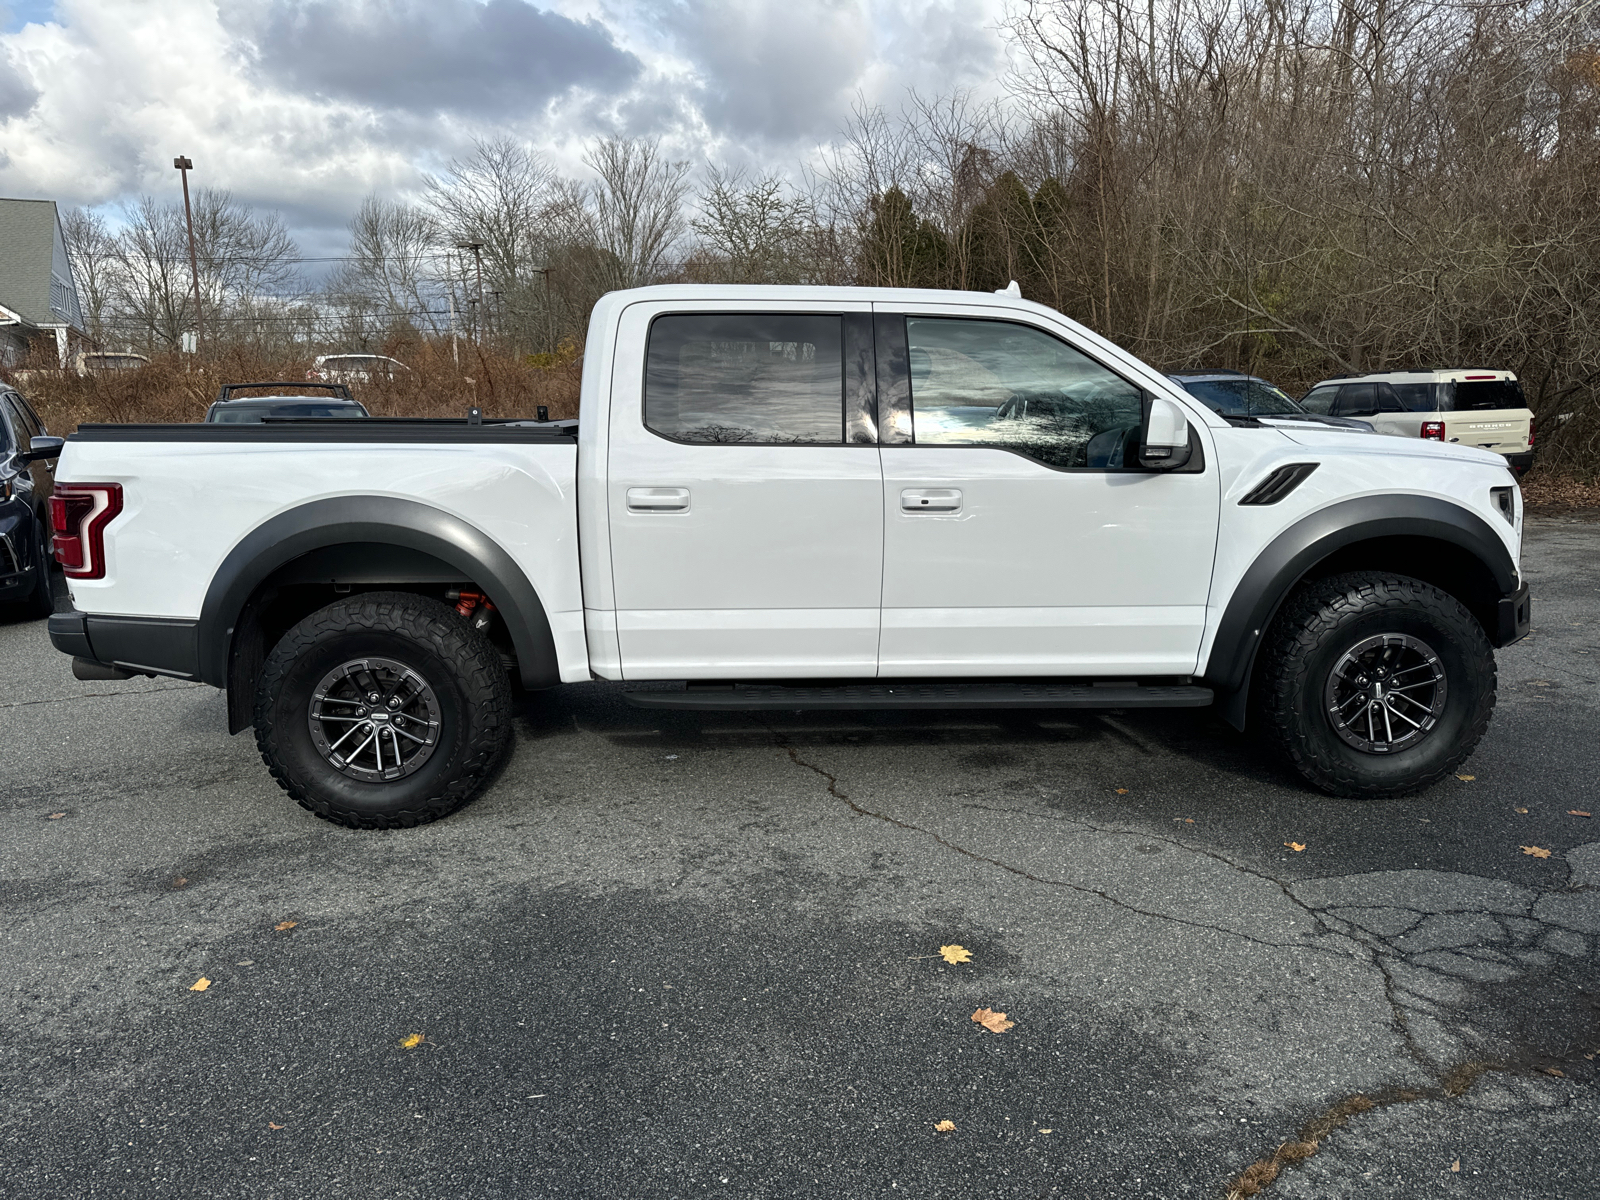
(382, 711)
(1376, 684)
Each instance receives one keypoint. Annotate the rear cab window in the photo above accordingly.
(1484, 395)
(746, 378)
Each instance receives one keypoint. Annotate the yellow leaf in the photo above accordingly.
(1520, 810)
(1456, 1166)
(1047, 1131)
(945, 1126)
(1536, 851)
(1466, 778)
(411, 1041)
(1297, 847)
(955, 954)
(992, 1021)
(1122, 791)
(271, 1125)
(200, 984)
(282, 925)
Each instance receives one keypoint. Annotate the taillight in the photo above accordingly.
(1533, 428)
(79, 514)
(1434, 430)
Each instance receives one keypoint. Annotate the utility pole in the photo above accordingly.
(184, 166)
(477, 254)
(455, 334)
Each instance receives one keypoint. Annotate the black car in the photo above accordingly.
(340, 403)
(25, 486)
(1244, 397)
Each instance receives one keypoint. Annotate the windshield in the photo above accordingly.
(1242, 397)
(244, 414)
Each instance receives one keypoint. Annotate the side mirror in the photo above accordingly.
(42, 447)
(1164, 436)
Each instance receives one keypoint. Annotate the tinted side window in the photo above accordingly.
(1417, 397)
(994, 383)
(770, 378)
(1357, 400)
(11, 432)
(1320, 400)
(28, 423)
(1387, 401)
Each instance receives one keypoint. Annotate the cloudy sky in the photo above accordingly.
(306, 106)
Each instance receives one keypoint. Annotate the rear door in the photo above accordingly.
(1020, 536)
(1488, 411)
(744, 493)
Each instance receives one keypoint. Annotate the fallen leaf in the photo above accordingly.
(270, 1125)
(1536, 851)
(1047, 1131)
(1520, 810)
(1297, 847)
(282, 925)
(200, 984)
(1556, 1071)
(992, 1021)
(1578, 812)
(1188, 820)
(55, 816)
(1466, 778)
(955, 954)
(1456, 1166)
(1122, 791)
(179, 881)
(945, 1126)
(411, 1041)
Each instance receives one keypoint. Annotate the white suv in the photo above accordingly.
(1474, 408)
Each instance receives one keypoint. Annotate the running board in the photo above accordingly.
(723, 697)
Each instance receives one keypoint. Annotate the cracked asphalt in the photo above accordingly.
(696, 955)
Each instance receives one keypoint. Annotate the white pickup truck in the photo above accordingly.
(796, 498)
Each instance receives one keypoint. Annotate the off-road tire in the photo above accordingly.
(460, 664)
(1317, 626)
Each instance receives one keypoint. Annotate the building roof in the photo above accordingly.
(35, 274)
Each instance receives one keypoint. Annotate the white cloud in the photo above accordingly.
(307, 105)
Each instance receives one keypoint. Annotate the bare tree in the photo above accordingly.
(92, 250)
(635, 208)
(392, 280)
(754, 232)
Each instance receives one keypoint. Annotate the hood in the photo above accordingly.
(1322, 437)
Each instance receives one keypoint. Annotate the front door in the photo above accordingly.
(1020, 536)
(744, 494)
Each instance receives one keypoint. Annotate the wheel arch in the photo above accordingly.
(1436, 541)
(361, 540)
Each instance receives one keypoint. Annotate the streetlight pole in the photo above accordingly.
(477, 254)
(184, 166)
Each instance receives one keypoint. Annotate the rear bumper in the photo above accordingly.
(1520, 462)
(1516, 617)
(142, 645)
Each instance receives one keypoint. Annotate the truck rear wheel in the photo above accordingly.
(1376, 684)
(383, 711)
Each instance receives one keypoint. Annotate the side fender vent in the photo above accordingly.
(1279, 484)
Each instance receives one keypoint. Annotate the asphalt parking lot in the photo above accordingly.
(697, 955)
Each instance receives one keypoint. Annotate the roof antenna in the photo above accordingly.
(1013, 291)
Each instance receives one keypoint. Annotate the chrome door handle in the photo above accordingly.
(937, 500)
(658, 500)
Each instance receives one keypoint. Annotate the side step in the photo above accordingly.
(723, 697)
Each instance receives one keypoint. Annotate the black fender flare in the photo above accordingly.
(1290, 556)
(387, 520)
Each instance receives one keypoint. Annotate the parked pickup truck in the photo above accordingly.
(792, 498)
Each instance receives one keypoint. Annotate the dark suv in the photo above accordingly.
(25, 486)
(1236, 395)
(340, 403)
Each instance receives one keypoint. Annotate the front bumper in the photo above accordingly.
(1516, 617)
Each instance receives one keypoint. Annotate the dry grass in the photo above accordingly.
(178, 388)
